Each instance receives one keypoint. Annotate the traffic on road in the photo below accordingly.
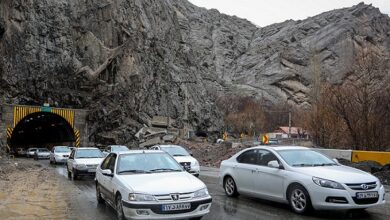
(256, 183)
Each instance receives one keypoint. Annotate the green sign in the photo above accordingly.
(46, 109)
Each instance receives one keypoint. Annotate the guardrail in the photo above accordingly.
(356, 156)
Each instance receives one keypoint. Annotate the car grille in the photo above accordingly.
(186, 165)
(169, 197)
(362, 186)
(92, 165)
(365, 201)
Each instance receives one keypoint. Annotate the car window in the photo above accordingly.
(146, 163)
(106, 162)
(265, 156)
(305, 158)
(249, 157)
(175, 151)
(88, 153)
(111, 163)
(72, 155)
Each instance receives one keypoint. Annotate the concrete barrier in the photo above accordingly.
(380, 157)
(334, 153)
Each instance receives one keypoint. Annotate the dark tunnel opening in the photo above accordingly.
(42, 129)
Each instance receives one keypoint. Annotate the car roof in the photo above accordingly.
(278, 147)
(168, 145)
(140, 152)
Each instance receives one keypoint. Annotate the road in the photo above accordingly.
(85, 206)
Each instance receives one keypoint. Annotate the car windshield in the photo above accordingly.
(303, 158)
(43, 150)
(88, 153)
(119, 148)
(175, 151)
(147, 163)
(62, 150)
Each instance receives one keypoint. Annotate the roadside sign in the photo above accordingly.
(225, 135)
(265, 139)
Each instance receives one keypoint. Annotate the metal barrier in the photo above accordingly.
(380, 157)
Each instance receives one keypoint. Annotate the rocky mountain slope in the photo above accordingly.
(128, 60)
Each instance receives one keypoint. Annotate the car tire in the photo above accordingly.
(99, 197)
(196, 218)
(51, 162)
(230, 187)
(299, 199)
(119, 208)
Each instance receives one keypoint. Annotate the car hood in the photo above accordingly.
(162, 183)
(181, 159)
(89, 160)
(341, 174)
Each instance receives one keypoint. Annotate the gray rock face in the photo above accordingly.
(129, 60)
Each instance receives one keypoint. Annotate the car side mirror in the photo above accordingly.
(335, 160)
(107, 172)
(274, 164)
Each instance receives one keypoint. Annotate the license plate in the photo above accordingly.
(174, 207)
(367, 195)
(92, 170)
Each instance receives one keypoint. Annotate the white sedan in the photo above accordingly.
(150, 184)
(301, 177)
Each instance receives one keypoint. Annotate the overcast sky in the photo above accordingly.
(266, 12)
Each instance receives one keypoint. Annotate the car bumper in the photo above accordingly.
(194, 170)
(42, 156)
(60, 159)
(154, 211)
(86, 172)
(343, 199)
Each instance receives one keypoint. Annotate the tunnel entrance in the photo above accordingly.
(42, 129)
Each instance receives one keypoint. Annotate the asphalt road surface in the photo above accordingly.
(85, 205)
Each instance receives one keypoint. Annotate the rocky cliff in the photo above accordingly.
(128, 60)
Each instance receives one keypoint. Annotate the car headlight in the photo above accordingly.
(327, 183)
(201, 193)
(141, 197)
(81, 166)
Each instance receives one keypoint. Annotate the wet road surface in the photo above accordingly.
(85, 206)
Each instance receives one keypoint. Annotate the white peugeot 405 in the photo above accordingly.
(301, 177)
(150, 184)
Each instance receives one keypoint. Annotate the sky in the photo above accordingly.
(266, 12)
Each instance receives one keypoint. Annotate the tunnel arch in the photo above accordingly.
(42, 129)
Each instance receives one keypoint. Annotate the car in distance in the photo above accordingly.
(301, 177)
(189, 163)
(59, 154)
(83, 162)
(21, 152)
(31, 152)
(150, 184)
(115, 148)
(41, 153)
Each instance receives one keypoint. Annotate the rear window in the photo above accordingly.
(89, 153)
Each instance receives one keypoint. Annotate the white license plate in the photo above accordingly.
(92, 170)
(367, 195)
(173, 207)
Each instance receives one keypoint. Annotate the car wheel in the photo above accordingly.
(119, 208)
(299, 199)
(99, 197)
(230, 187)
(74, 175)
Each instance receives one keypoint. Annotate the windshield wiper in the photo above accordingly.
(164, 169)
(179, 155)
(302, 165)
(133, 171)
(324, 164)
